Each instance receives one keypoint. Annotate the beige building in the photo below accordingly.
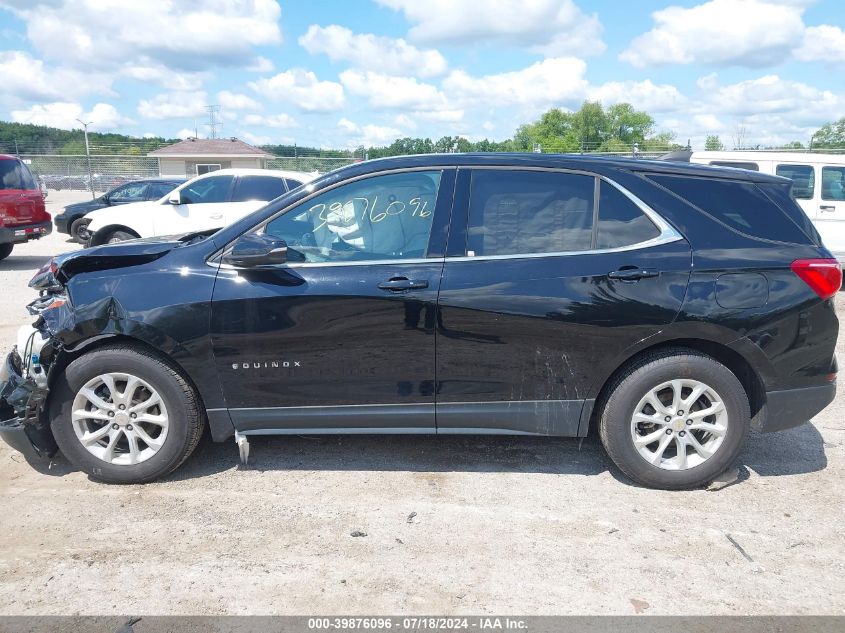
(196, 156)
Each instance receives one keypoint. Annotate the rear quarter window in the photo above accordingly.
(740, 205)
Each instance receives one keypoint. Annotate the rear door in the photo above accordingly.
(830, 219)
(553, 272)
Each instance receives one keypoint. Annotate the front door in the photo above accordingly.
(203, 205)
(342, 336)
(556, 275)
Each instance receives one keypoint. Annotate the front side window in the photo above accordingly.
(132, 191)
(621, 222)
(527, 212)
(262, 188)
(803, 179)
(16, 176)
(833, 183)
(380, 218)
(207, 190)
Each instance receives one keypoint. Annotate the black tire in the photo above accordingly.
(185, 415)
(118, 236)
(5, 251)
(617, 408)
(75, 227)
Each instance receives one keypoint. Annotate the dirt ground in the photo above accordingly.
(452, 525)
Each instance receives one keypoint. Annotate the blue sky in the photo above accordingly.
(340, 74)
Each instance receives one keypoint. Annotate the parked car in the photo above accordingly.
(819, 185)
(23, 216)
(72, 220)
(521, 294)
(206, 202)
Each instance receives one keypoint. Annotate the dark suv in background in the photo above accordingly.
(23, 216)
(72, 219)
(671, 306)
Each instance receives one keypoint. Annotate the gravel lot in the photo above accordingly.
(453, 525)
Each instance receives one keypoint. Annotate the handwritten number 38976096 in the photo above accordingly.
(419, 209)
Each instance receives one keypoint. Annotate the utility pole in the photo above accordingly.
(88, 156)
(213, 120)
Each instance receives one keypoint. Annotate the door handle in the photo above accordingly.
(827, 207)
(398, 284)
(216, 216)
(632, 274)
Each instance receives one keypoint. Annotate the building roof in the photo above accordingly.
(209, 147)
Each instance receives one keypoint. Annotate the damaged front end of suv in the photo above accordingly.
(28, 371)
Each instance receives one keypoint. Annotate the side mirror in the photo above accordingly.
(175, 197)
(256, 250)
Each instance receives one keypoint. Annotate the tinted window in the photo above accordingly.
(621, 223)
(833, 183)
(741, 205)
(132, 191)
(292, 184)
(158, 190)
(525, 212)
(263, 188)
(15, 175)
(780, 194)
(384, 217)
(208, 190)
(735, 164)
(803, 179)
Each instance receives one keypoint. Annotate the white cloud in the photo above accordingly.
(303, 89)
(365, 50)
(752, 33)
(281, 121)
(823, 43)
(64, 115)
(553, 81)
(643, 95)
(255, 139)
(233, 101)
(261, 65)
(185, 133)
(174, 105)
(189, 36)
(367, 135)
(386, 91)
(164, 76)
(30, 79)
(550, 27)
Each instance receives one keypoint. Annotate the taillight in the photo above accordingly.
(824, 276)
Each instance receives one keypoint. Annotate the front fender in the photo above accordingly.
(136, 216)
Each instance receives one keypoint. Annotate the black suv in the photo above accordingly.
(670, 306)
(72, 219)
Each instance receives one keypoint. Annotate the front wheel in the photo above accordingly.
(124, 416)
(5, 251)
(79, 230)
(675, 419)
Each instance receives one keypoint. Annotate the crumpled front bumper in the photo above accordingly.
(21, 405)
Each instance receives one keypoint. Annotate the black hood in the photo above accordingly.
(85, 207)
(57, 271)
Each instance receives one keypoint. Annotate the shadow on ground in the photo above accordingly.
(23, 262)
(792, 452)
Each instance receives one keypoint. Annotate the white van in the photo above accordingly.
(819, 185)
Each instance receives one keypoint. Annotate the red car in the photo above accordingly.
(22, 213)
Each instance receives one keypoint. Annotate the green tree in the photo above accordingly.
(713, 143)
(830, 135)
(628, 125)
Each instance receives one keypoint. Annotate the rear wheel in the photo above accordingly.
(674, 419)
(5, 250)
(123, 415)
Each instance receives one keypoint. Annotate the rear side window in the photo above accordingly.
(15, 175)
(833, 183)
(740, 205)
(735, 164)
(803, 179)
(528, 212)
(262, 188)
(292, 184)
(621, 222)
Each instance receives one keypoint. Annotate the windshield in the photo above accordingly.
(15, 175)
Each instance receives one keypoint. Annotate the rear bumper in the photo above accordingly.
(794, 407)
(19, 233)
